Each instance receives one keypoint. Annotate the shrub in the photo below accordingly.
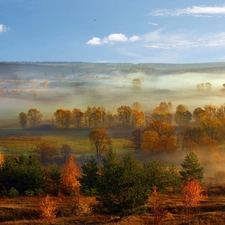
(29, 193)
(47, 208)
(13, 193)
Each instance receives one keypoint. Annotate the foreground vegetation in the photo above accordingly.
(104, 168)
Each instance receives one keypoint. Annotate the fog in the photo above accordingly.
(48, 87)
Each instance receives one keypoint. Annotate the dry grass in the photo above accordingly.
(80, 210)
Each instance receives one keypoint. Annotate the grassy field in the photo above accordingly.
(25, 210)
(24, 141)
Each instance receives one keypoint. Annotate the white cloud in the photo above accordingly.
(94, 41)
(153, 24)
(161, 40)
(134, 38)
(191, 11)
(3, 28)
(112, 39)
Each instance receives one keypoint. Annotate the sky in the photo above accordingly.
(113, 31)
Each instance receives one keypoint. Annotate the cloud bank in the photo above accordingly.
(191, 11)
(112, 39)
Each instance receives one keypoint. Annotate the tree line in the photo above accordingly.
(162, 130)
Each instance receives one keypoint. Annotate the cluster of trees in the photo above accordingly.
(121, 185)
(166, 131)
(92, 117)
(33, 117)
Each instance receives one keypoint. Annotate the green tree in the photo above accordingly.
(24, 173)
(52, 179)
(191, 169)
(162, 176)
(23, 119)
(122, 186)
(90, 176)
(100, 140)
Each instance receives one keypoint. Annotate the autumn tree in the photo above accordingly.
(191, 169)
(23, 119)
(149, 141)
(210, 110)
(198, 115)
(100, 140)
(78, 116)
(45, 152)
(191, 194)
(109, 119)
(137, 118)
(210, 126)
(69, 178)
(159, 136)
(163, 112)
(182, 116)
(63, 118)
(191, 135)
(124, 114)
(34, 116)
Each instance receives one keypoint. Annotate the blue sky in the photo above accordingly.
(142, 31)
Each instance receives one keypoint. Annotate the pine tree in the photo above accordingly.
(192, 170)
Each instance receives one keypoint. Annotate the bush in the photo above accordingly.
(13, 193)
(29, 193)
(47, 208)
(39, 191)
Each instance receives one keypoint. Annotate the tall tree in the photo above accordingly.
(34, 116)
(23, 119)
(100, 140)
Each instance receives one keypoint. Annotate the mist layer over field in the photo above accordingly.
(48, 87)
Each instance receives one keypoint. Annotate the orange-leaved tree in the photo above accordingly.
(191, 194)
(69, 178)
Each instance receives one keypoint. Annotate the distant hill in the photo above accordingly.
(12, 70)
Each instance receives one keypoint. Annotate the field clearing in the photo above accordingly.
(19, 141)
